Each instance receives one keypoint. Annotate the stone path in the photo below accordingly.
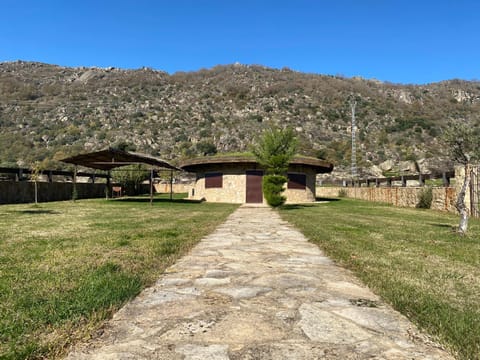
(256, 289)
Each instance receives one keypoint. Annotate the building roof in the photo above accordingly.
(112, 158)
(202, 163)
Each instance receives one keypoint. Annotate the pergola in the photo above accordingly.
(109, 159)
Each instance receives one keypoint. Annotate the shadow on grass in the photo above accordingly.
(327, 199)
(453, 228)
(303, 206)
(35, 211)
(296, 206)
(155, 200)
(445, 226)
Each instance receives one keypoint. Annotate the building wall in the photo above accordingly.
(306, 195)
(234, 186)
(232, 191)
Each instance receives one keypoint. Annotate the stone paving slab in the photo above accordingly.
(257, 289)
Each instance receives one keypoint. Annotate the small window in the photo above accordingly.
(297, 181)
(213, 180)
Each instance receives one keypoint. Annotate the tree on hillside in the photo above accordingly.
(124, 146)
(206, 148)
(463, 145)
(274, 151)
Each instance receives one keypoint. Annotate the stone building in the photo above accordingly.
(238, 179)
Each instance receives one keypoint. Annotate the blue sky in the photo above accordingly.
(405, 41)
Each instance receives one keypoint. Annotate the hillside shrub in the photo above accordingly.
(206, 148)
(273, 187)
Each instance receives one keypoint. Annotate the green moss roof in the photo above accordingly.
(198, 163)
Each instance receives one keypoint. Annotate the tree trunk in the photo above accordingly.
(460, 204)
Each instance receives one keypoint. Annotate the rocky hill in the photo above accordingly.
(48, 112)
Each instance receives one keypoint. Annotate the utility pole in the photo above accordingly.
(353, 104)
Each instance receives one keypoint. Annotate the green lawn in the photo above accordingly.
(65, 267)
(410, 257)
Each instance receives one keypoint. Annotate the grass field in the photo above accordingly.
(65, 267)
(410, 257)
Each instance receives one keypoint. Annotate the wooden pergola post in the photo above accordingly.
(151, 186)
(445, 179)
(171, 185)
(74, 191)
(421, 179)
(108, 184)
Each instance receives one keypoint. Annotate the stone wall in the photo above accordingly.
(327, 191)
(177, 188)
(443, 197)
(12, 192)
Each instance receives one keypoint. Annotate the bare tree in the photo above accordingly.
(463, 144)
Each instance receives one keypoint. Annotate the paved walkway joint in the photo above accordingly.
(256, 289)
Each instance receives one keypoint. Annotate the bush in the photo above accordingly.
(272, 189)
(426, 197)
(130, 177)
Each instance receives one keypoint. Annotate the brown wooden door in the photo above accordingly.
(254, 186)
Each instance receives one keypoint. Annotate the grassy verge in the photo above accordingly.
(410, 257)
(65, 267)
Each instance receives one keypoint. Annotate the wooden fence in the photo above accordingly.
(16, 185)
(473, 195)
(23, 174)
